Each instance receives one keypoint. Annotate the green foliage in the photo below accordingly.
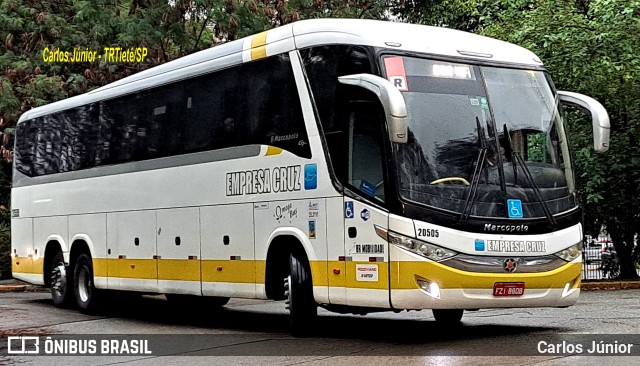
(457, 14)
(5, 219)
(537, 148)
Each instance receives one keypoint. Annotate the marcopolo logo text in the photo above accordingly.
(506, 228)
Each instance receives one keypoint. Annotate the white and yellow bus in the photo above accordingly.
(354, 165)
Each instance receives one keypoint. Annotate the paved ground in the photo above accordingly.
(256, 332)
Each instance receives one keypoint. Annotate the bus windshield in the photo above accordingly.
(492, 131)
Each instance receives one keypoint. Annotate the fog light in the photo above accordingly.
(430, 288)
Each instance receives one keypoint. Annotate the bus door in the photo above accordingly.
(366, 255)
(366, 252)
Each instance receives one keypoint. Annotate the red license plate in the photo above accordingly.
(508, 289)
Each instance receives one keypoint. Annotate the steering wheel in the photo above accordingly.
(451, 179)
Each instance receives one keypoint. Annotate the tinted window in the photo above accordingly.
(270, 106)
(25, 149)
(351, 117)
(211, 111)
(253, 103)
(49, 144)
(323, 66)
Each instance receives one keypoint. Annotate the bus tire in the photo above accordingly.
(448, 316)
(299, 297)
(87, 296)
(215, 301)
(61, 282)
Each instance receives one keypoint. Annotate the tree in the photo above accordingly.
(456, 14)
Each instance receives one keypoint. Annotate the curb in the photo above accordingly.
(610, 285)
(12, 288)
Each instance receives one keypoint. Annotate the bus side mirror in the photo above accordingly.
(600, 118)
(391, 99)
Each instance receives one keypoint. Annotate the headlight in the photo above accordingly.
(571, 253)
(433, 252)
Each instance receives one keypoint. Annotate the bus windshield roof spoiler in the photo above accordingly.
(392, 101)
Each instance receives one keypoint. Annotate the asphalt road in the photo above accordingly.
(256, 333)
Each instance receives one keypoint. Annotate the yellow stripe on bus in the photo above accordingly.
(179, 269)
(26, 265)
(236, 271)
(258, 46)
(145, 269)
(335, 274)
(272, 150)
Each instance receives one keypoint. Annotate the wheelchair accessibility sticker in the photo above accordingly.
(348, 209)
(514, 208)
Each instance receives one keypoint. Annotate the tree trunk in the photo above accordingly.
(623, 251)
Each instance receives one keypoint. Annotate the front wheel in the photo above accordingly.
(61, 282)
(299, 296)
(84, 288)
(448, 316)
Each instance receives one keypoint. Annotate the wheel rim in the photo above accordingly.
(59, 279)
(84, 284)
(287, 292)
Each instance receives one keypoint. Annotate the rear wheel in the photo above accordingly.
(87, 295)
(299, 296)
(61, 282)
(448, 316)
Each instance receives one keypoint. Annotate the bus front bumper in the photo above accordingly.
(424, 284)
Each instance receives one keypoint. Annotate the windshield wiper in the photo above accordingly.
(475, 180)
(509, 152)
(516, 158)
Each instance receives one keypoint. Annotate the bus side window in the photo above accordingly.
(350, 117)
(84, 145)
(49, 143)
(269, 105)
(210, 111)
(103, 143)
(166, 110)
(25, 152)
(365, 148)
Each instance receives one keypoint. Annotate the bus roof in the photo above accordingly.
(306, 33)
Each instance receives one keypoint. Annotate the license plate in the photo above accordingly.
(508, 289)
